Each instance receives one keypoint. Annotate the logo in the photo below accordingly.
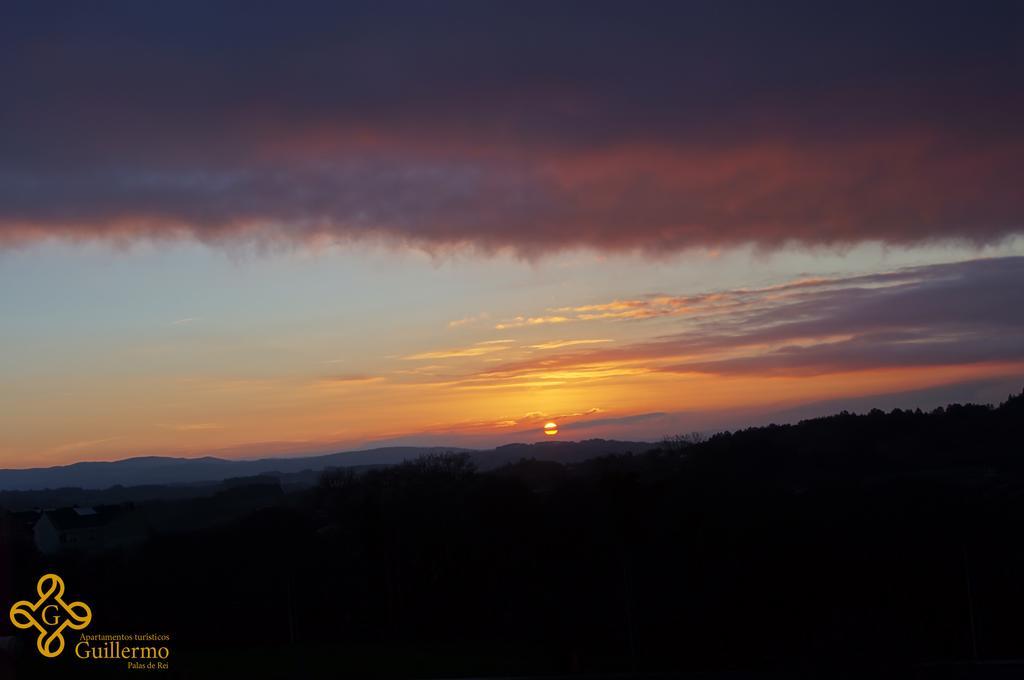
(50, 615)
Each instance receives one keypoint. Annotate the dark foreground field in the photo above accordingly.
(878, 545)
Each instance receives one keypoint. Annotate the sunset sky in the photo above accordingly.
(250, 229)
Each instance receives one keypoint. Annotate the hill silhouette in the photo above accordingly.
(165, 470)
(882, 544)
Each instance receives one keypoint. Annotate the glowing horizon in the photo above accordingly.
(294, 378)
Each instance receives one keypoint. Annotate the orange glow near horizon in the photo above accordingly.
(665, 364)
(296, 419)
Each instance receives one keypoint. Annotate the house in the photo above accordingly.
(87, 529)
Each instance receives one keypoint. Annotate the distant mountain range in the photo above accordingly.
(161, 470)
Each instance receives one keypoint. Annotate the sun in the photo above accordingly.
(550, 429)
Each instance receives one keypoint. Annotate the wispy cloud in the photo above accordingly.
(540, 417)
(531, 419)
(468, 320)
(350, 378)
(521, 321)
(660, 305)
(558, 344)
(477, 350)
(938, 315)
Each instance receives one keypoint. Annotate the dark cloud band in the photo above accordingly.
(530, 127)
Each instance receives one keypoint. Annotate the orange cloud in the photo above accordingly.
(558, 344)
(479, 349)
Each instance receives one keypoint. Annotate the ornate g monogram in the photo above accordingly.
(50, 615)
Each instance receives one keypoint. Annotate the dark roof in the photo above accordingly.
(82, 518)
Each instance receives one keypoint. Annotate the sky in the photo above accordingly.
(244, 230)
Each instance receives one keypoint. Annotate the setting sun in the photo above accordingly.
(550, 429)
